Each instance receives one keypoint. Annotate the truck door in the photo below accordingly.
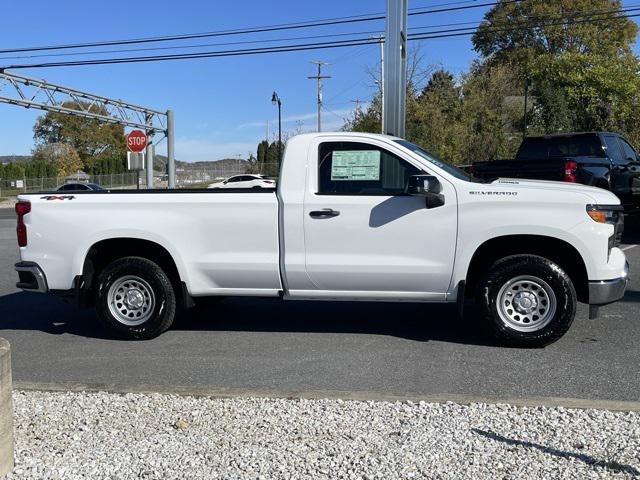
(364, 234)
(624, 170)
(632, 166)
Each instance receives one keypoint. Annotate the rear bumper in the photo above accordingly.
(32, 278)
(608, 291)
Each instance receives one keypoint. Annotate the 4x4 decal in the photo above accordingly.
(57, 197)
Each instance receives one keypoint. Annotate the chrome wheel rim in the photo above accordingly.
(526, 303)
(131, 300)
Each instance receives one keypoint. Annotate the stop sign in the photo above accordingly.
(136, 141)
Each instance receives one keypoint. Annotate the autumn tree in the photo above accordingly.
(91, 139)
(578, 55)
(518, 33)
(63, 157)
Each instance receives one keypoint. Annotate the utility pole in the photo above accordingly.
(395, 73)
(527, 86)
(319, 77)
(357, 101)
(381, 82)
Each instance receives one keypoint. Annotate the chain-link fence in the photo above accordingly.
(185, 178)
(188, 178)
(29, 185)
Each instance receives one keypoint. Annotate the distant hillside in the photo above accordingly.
(161, 160)
(14, 158)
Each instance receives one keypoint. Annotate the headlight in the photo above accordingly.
(610, 214)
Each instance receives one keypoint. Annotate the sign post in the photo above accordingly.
(136, 143)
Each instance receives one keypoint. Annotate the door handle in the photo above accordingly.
(324, 213)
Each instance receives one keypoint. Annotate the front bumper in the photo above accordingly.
(32, 278)
(608, 291)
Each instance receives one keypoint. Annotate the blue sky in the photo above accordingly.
(221, 105)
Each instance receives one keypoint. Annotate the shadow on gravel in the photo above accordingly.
(608, 464)
(419, 322)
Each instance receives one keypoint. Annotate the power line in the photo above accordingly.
(519, 25)
(310, 37)
(262, 29)
(179, 47)
(307, 46)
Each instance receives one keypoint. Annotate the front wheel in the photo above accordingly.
(527, 300)
(135, 298)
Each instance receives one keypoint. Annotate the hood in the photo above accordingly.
(599, 195)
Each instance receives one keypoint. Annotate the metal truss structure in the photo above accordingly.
(34, 93)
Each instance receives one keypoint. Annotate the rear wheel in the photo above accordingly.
(527, 300)
(135, 298)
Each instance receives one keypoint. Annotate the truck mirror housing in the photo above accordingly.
(426, 186)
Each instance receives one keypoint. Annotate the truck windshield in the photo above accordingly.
(431, 158)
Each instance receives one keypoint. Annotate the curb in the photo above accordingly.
(578, 403)
(6, 410)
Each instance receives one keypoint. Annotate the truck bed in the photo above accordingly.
(216, 248)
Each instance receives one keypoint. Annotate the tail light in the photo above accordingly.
(570, 168)
(22, 208)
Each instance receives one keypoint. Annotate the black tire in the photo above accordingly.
(502, 274)
(161, 310)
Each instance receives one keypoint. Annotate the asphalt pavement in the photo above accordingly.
(267, 344)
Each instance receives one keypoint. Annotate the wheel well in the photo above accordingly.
(106, 251)
(556, 250)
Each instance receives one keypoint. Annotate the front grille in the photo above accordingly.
(618, 229)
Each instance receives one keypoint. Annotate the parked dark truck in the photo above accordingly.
(599, 159)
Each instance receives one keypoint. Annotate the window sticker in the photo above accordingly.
(355, 165)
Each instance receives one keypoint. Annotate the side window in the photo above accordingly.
(576, 146)
(613, 149)
(629, 152)
(234, 179)
(350, 168)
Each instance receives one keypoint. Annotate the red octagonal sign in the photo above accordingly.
(136, 141)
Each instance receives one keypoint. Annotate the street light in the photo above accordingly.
(275, 100)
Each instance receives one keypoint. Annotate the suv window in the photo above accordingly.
(629, 152)
(613, 149)
(532, 148)
(352, 168)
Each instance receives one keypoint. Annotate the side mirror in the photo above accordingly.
(426, 186)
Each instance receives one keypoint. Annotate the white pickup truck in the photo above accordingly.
(354, 217)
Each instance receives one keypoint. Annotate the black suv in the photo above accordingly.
(600, 159)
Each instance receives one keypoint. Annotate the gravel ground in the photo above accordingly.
(100, 436)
